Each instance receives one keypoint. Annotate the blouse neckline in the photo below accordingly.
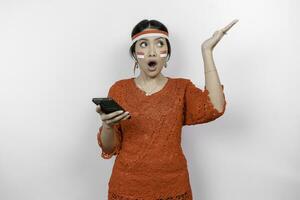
(153, 94)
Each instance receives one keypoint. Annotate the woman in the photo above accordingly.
(146, 139)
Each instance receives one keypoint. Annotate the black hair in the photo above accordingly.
(144, 24)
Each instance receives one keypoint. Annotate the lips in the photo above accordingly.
(152, 66)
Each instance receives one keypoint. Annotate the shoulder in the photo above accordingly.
(178, 79)
(182, 81)
(118, 89)
(121, 83)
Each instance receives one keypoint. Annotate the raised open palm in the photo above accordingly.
(210, 43)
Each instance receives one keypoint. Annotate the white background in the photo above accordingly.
(55, 56)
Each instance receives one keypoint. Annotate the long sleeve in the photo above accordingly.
(117, 146)
(116, 95)
(198, 107)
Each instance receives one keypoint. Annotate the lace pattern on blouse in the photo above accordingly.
(182, 103)
(115, 94)
(183, 196)
(198, 107)
(117, 146)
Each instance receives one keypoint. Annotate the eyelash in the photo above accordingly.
(160, 42)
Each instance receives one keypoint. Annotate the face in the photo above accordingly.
(151, 53)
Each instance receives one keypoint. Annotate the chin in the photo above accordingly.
(157, 71)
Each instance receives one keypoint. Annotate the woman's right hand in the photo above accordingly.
(109, 120)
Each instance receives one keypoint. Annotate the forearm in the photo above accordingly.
(212, 81)
(108, 139)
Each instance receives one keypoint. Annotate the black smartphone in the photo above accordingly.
(108, 105)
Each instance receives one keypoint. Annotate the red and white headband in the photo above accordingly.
(149, 33)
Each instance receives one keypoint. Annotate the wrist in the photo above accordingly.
(211, 70)
(106, 126)
(207, 52)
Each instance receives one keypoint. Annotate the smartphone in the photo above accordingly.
(108, 105)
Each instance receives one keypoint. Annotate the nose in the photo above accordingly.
(152, 52)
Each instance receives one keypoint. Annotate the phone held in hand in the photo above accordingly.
(108, 105)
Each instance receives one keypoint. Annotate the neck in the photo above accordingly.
(150, 80)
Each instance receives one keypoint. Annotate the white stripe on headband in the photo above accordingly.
(149, 35)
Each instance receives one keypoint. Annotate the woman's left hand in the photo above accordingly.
(210, 43)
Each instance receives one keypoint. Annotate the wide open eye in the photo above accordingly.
(143, 44)
(160, 43)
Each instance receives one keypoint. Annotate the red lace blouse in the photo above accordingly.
(150, 164)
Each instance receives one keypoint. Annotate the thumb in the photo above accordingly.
(98, 109)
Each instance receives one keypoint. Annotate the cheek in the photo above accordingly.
(163, 53)
(140, 54)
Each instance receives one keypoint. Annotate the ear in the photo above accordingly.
(134, 52)
(168, 57)
(134, 56)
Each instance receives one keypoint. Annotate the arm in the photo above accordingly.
(110, 133)
(212, 81)
(108, 139)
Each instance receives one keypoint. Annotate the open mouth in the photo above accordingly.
(152, 64)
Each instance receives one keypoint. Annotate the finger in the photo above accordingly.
(123, 114)
(226, 28)
(126, 117)
(109, 122)
(111, 115)
(118, 118)
(98, 109)
(229, 26)
(121, 117)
